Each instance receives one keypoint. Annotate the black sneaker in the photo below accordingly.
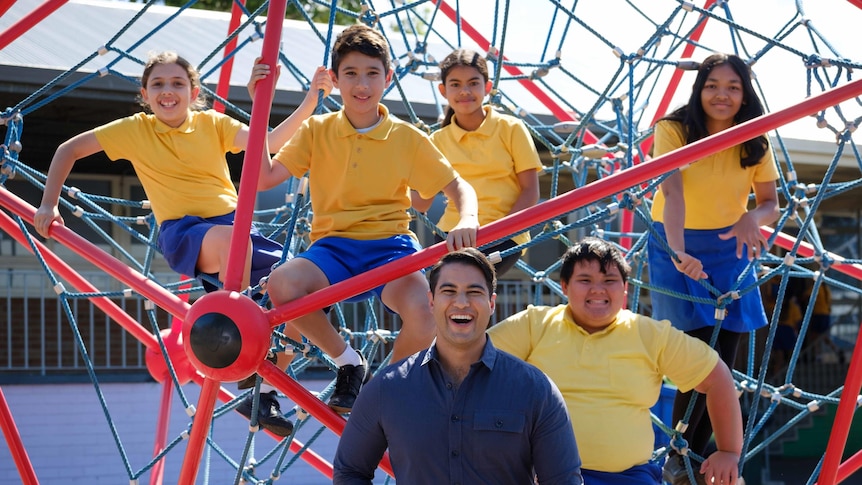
(347, 384)
(251, 380)
(674, 472)
(268, 413)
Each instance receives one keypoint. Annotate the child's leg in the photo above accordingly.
(214, 252)
(408, 296)
(297, 278)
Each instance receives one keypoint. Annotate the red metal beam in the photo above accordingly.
(102, 260)
(568, 202)
(27, 22)
(311, 404)
(831, 473)
(157, 472)
(528, 84)
(239, 242)
(258, 127)
(200, 430)
(16, 446)
(4, 6)
(675, 78)
(223, 86)
(76, 280)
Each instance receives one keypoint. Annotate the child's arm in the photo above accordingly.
(722, 404)
(281, 134)
(463, 196)
(67, 154)
(674, 226)
(420, 204)
(747, 228)
(528, 180)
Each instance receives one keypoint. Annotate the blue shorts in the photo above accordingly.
(341, 258)
(180, 241)
(648, 473)
(722, 268)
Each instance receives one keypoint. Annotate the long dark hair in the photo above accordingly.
(461, 57)
(693, 118)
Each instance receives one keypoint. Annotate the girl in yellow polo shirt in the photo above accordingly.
(492, 151)
(702, 211)
(178, 151)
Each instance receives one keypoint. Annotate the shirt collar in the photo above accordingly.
(610, 328)
(380, 132)
(187, 126)
(485, 129)
(489, 354)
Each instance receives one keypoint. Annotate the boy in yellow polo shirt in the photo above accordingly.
(361, 164)
(609, 364)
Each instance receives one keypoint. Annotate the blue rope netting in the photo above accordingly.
(613, 126)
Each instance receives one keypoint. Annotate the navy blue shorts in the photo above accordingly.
(180, 241)
(341, 258)
(648, 473)
(722, 268)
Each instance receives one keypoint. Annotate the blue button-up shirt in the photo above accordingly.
(505, 422)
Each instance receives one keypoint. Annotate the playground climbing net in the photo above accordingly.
(588, 81)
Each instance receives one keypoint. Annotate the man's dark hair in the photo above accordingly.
(470, 257)
(593, 249)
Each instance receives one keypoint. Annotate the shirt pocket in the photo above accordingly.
(499, 421)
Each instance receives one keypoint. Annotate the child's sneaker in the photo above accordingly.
(674, 472)
(268, 413)
(251, 380)
(348, 382)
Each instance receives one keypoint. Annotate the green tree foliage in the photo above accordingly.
(317, 12)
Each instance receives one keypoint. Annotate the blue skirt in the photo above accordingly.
(722, 268)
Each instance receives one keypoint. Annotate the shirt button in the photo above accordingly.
(498, 424)
(455, 418)
(448, 385)
(455, 453)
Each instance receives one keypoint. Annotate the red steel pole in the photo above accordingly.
(567, 202)
(831, 473)
(102, 260)
(16, 446)
(258, 128)
(223, 86)
(27, 22)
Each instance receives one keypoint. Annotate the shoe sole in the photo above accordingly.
(340, 409)
(276, 430)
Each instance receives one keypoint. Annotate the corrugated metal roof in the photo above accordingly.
(80, 28)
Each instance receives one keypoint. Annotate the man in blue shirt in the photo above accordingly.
(460, 412)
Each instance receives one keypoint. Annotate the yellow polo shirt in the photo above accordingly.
(360, 182)
(183, 170)
(490, 159)
(715, 188)
(609, 379)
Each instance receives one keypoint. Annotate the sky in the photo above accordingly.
(588, 65)
(586, 52)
